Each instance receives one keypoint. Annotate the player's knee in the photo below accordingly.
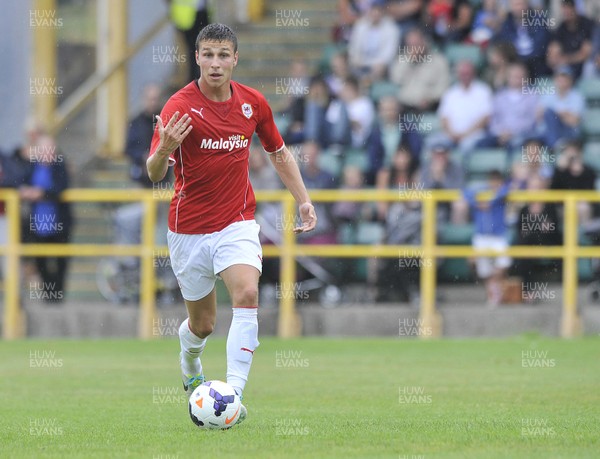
(201, 328)
(246, 296)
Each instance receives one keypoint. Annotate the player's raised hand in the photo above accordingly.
(309, 218)
(173, 134)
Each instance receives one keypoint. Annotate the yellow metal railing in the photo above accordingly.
(289, 322)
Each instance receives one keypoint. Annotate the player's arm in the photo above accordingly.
(287, 169)
(171, 136)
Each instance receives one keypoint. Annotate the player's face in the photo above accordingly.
(216, 60)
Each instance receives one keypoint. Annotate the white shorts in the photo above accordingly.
(197, 259)
(486, 265)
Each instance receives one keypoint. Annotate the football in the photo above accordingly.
(214, 405)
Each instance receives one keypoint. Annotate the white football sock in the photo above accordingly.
(242, 341)
(191, 349)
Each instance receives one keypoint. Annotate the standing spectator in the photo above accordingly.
(361, 113)
(49, 219)
(537, 225)
(189, 17)
(572, 174)
(562, 108)
(399, 280)
(572, 42)
(449, 20)
(373, 43)
(466, 108)
(442, 173)
(490, 234)
(514, 112)
(421, 73)
(529, 34)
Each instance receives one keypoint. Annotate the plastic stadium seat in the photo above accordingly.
(455, 269)
(591, 122)
(460, 52)
(281, 121)
(358, 158)
(431, 119)
(456, 234)
(370, 233)
(590, 88)
(381, 89)
(331, 164)
(483, 160)
(591, 155)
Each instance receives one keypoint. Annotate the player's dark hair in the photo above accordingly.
(217, 32)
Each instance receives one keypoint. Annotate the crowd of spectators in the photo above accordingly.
(413, 92)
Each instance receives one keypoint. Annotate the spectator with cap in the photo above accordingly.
(514, 111)
(421, 73)
(373, 44)
(561, 108)
(465, 108)
(572, 42)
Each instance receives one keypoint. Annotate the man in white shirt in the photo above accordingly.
(465, 109)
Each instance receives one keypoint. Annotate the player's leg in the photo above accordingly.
(192, 265)
(193, 332)
(241, 281)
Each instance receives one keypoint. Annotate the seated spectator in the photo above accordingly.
(339, 73)
(349, 211)
(536, 159)
(318, 117)
(399, 281)
(388, 132)
(406, 13)
(421, 73)
(349, 11)
(465, 108)
(528, 32)
(49, 219)
(514, 111)
(572, 174)
(537, 224)
(487, 22)
(561, 109)
(361, 113)
(499, 57)
(572, 42)
(591, 68)
(442, 173)
(449, 20)
(373, 44)
(403, 169)
(139, 135)
(490, 234)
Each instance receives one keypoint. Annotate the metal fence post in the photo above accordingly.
(147, 314)
(570, 321)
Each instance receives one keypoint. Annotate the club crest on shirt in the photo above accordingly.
(247, 110)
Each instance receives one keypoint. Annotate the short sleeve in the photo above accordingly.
(267, 130)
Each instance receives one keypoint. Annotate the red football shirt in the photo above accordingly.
(212, 187)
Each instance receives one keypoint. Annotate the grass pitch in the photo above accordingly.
(527, 397)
